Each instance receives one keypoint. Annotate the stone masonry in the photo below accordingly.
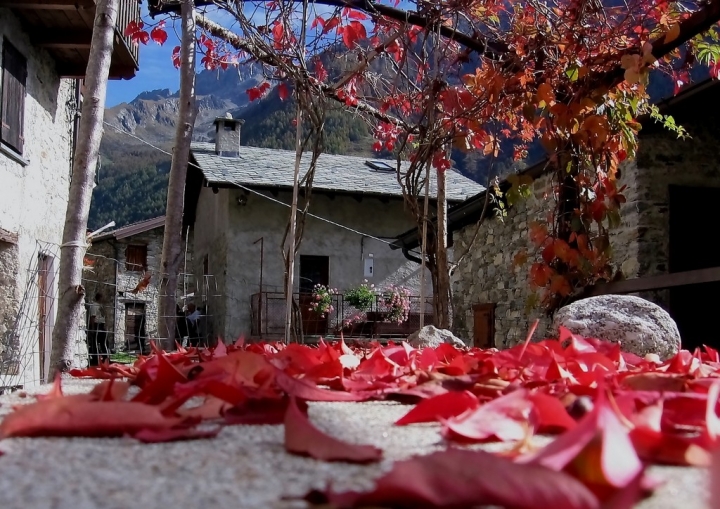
(640, 245)
(115, 282)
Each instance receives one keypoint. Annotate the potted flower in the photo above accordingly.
(322, 300)
(361, 297)
(396, 300)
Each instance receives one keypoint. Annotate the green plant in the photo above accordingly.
(361, 297)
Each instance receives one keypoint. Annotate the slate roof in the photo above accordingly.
(132, 229)
(272, 168)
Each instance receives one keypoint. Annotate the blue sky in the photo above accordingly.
(156, 68)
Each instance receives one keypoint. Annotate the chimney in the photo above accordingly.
(227, 135)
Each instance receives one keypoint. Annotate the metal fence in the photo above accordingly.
(120, 316)
(268, 317)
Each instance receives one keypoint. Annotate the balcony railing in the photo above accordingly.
(268, 318)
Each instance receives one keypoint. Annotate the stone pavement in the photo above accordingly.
(243, 467)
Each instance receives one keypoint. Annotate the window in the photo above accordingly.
(380, 166)
(136, 258)
(12, 107)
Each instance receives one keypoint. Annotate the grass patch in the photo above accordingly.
(123, 358)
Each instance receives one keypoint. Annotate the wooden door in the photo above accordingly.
(314, 270)
(692, 210)
(135, 326)
(484, 325)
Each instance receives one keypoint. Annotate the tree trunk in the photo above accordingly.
(442, 289)
(290, 257)
(72, 250)
(172, 241)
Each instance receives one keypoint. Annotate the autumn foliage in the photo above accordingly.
(495, 78)
(611, 413)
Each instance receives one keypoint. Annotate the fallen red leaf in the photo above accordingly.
(78, 416)
(155, 436)
(551, 414)
(259, 411)
(303, 438)
(598, 452)
(311, 392)
(162, 385)
(462, 478)
(506, 418)
(444, 406)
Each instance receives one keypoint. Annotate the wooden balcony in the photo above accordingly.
(64, 28)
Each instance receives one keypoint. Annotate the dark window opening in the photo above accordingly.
(12, 105)
(314, 270)
(136, 258)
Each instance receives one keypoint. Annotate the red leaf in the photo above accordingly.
(156, 436)
(159, 35)
(258, 411)
(283, 91)
(330, 24)
(162, 385)
(444, 406)
(133, 27)
(176, 57)
(353, 32)
(302, 438)
(463, 478)
(551, 413)
(278, 32)
(320, 71)
(317, 21)
(353, 14)
(257, 92)
(598, 451)
(311, 392)
(505, 418)
(78, 416)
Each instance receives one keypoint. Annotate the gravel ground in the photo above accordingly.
(243, 467)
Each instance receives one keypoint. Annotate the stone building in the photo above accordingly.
(237, 203)
(117, 262)
(664, 246)
(43, 56)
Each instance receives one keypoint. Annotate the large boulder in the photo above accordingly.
(431, 337)
(640, 326)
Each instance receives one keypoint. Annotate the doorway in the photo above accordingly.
(135, 327)
(314, 270)
(692, 210)
(484, 325)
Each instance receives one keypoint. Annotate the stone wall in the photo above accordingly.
(226, 231)
(8, 304)
(36, 182)
(115, 282)
(640, 245)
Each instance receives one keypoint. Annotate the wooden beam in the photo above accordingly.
(77, 71)
(51, 5)
(62, 39)
(644, 284)
(9, 237)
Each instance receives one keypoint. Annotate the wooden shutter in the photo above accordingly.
(13, 96)
(136, 258)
